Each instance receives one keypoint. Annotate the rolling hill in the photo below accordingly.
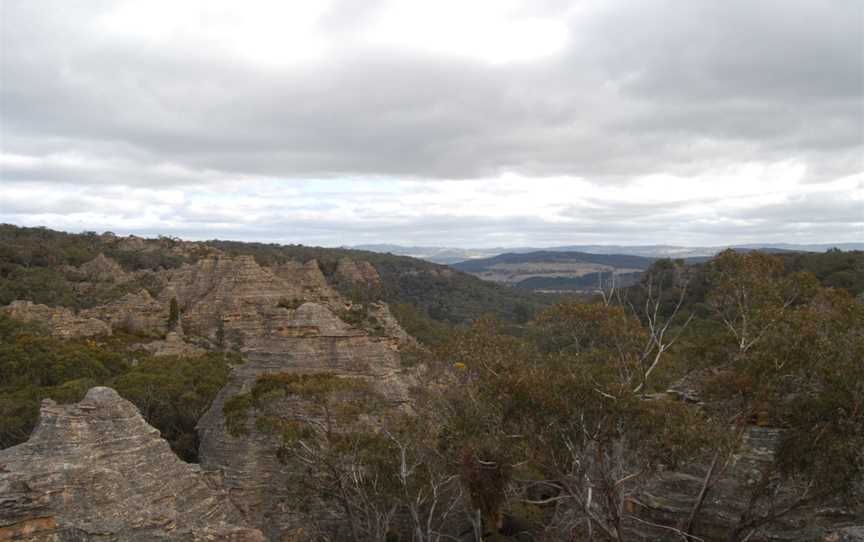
(557, 271)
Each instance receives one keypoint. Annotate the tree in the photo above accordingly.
(173, 314)
(791, 366)
(329, 443)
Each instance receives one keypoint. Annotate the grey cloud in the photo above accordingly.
(643, 87)
(646, 75)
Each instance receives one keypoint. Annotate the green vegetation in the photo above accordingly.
(535, 414)
(557, 431)
(172, 393)
(613, 260)
(34, 265)
(173, 314)
(434, 291)
(590, 281)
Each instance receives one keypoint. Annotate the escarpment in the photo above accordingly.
(95, 470)
(309, 339)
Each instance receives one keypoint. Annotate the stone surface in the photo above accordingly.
(847, 534)
(173, 345)
(392, 328)
(60, 321)
(309, 339)
(134, 312)
(357, 271)
(234, 293)
(95, 470)
(307, 282)
(103, 269)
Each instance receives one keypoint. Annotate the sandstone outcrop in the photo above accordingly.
(392, 328)
(95, 470)
(103, 269)
(312, 284)
(357, 271)
(309, 339)
(60, 321)
(135, 312)
(172, 345)
(236, 297)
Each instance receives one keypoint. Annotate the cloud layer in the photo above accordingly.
(500, 123)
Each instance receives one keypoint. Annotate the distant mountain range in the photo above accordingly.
(452, 255)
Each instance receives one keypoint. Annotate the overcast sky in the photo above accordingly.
(453, 122)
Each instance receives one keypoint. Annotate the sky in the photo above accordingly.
(469, 123)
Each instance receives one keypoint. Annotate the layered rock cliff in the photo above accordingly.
(134, 312)
(95, 470)
(357, 271)
(238, 297)
(310, 339)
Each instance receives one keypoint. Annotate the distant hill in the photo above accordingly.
(557, 271)
(611, 260)
(451, 255)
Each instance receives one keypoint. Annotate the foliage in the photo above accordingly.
(434, 291)
(173, 314)
(171, 393)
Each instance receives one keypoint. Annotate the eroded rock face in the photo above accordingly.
(357, 271)
(103, 269)
(308, 282)
(232, 293)
(136, 312)
(95, 470)
(310, 339)
(61, 322)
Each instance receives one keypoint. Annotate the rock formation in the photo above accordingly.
(357, 271)
(95, 470)
(103, 269)
(136, 312)
(60, 321)
(172, 345)
(310, 280)
(282, 319)
(306, 340)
